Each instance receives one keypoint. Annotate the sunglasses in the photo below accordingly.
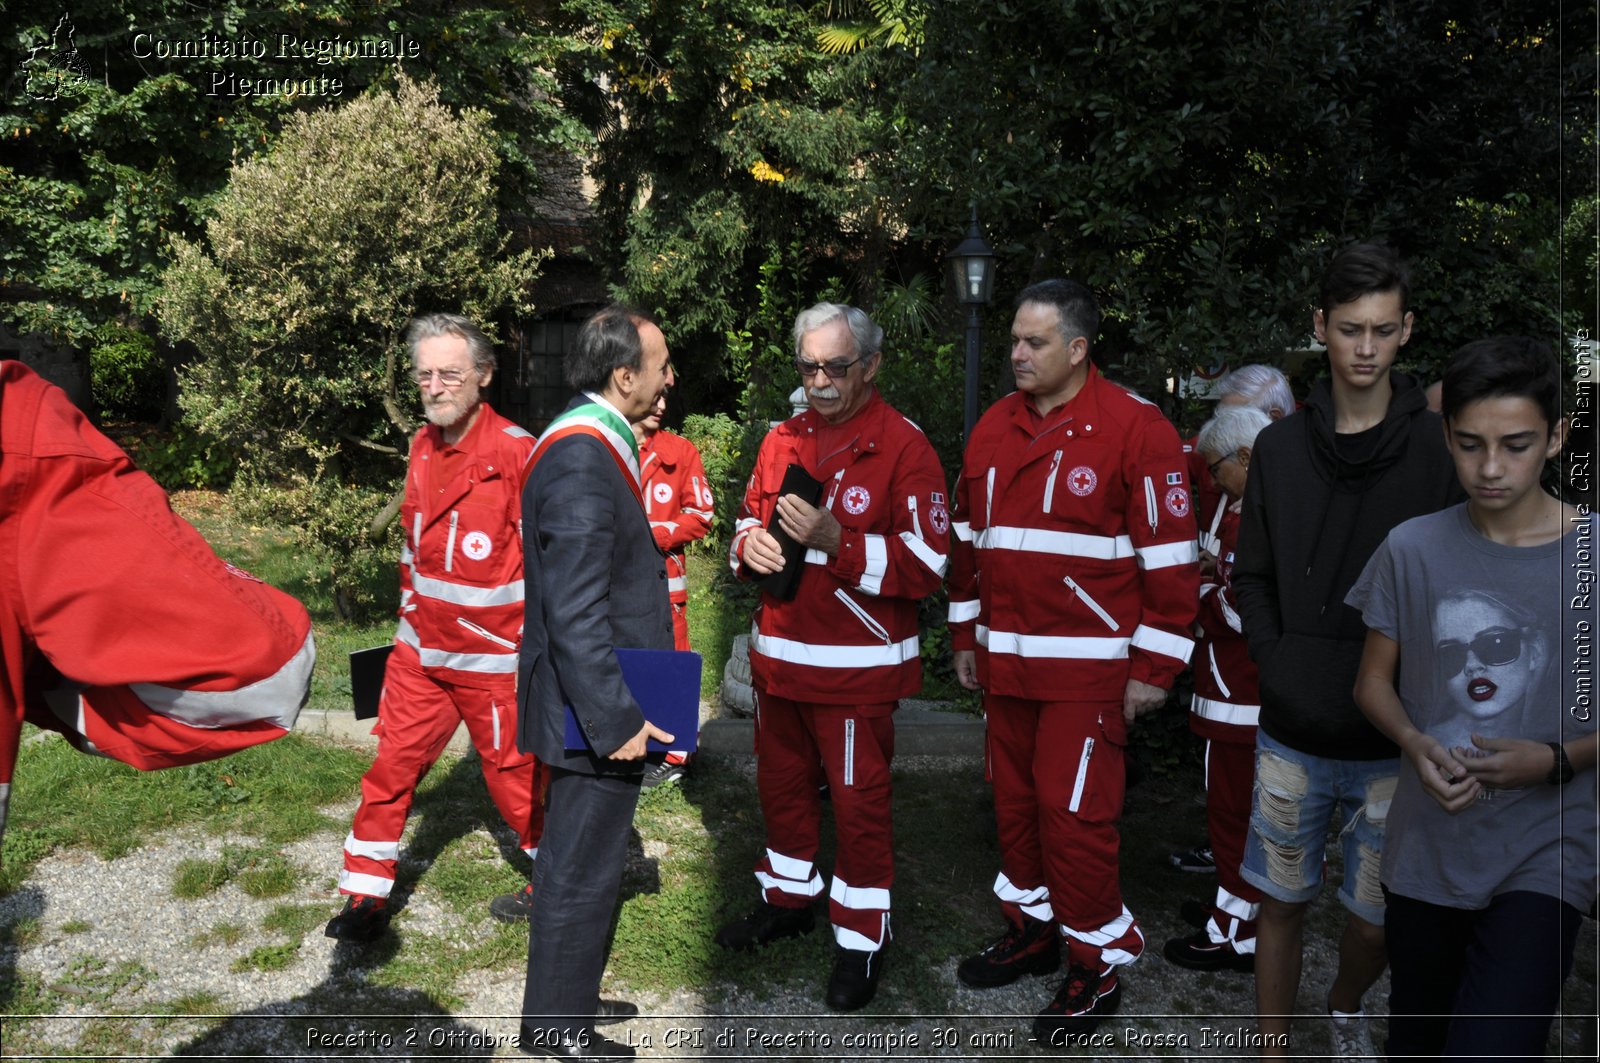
(833, 370)
(1493, 648)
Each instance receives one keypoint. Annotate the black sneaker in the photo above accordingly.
(1196, 913)
(1198, 859)
(663, 774)
(1085, 997)
(766, 924)
(513, 907)
(854, 981)
(364, 919)
(1199, 953)
(1032, 948)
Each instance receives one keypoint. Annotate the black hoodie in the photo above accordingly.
(1316, 506)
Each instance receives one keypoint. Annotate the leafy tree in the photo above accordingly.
(316, 254)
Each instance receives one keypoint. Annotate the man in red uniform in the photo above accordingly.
(119, 627)
(677, 500)
(830, 665)
(455, 653)
(1073, 588)
(1224, 711)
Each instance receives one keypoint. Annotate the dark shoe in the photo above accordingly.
(1196, 913)
(663, 774)
(611, 1012)
(580, 1049)
(1199, 953)
(1198, 859)
(854, 981)
(766, 924)
(1032, 948)
(513, 907)
(364, 919)
(1083, 1000)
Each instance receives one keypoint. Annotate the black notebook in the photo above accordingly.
(784, 582)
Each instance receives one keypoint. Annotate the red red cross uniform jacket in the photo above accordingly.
(830, 665)
(1074, 563)
(678, 503)
(119, 627)
(455, 659)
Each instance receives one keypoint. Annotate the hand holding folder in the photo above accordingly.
(666, 684)
(784, 582)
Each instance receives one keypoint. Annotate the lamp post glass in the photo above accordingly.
(972, 265)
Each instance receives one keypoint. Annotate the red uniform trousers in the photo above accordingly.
(417, 714)
(1230, 778)
(798, 745)
(1057, 770)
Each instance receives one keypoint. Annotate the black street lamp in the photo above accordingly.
(972, 266)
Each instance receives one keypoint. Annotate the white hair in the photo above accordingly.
(1231, 428)
(1260, 386)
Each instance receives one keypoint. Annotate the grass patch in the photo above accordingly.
(267, 958)
(90, 980)
(258, 872)
(76, 926)
(194, 877)
(221, 934)
(294, 920)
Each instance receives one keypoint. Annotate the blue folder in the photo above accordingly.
(666, 684)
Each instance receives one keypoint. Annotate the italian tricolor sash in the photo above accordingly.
(599, 422)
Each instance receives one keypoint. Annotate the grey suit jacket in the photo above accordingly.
(595, 580)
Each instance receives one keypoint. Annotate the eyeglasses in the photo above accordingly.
(1219, 463)
(450, 378)
(1493, 648)
(833, 370)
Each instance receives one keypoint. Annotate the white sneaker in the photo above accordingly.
(1351, 1037)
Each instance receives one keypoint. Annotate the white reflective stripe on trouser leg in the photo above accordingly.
(846, 938)
(370, 885)
(789, 875)
(371, 850)
(1108, 933)
(1035, 903)
(861, 898)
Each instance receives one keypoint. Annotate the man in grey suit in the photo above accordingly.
(595, 581)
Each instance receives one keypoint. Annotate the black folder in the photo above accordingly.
(666, 684)
(366, 679)
(784, 582)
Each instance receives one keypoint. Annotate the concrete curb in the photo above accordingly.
(920, 731)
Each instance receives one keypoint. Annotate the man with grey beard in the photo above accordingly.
(455, 653)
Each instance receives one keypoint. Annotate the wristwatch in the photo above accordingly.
(1561, 771)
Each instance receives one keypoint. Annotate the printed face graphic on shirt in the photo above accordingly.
(1487, 657)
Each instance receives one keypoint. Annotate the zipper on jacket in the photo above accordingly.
(838, 478)
(916, 524)
(1094, 606)
(988, 500)
(1150, 504)
(1050, 481)
(477, 629)
(849, 752)
(862, 615)
(450, 543)
(1216, 673)
(1083, 774)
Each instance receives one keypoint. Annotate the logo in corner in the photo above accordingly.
(55, 70)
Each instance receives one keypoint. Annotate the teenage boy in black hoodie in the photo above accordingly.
(1325, 487)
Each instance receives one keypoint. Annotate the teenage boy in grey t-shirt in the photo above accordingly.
(1489, 858)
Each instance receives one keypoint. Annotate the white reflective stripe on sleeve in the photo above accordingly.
(960, 612)
(1083, 774)
(371, 850)
(1062, 544)
(670, 525)
(1162, 642)
(368, 885)
(704, 514)
(1216, 673)
(1168, 554)
(861, 898)
(1226, 711)
(406, 556)
(745, 524)
(1035, 902)
(817, 656)
(488, 663)
(816, 557)
(462, 594)
(1062, 647)
(276, 699)
(962, 529)
(676, 584)
(877, 552)
(935, 561)
(1229, 614)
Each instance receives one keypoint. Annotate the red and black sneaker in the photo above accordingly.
(1085, 997)
(1032, 948)
(364, 919)
(513, 907)
(1199, 953)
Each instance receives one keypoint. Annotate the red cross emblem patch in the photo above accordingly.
(1082, 481)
